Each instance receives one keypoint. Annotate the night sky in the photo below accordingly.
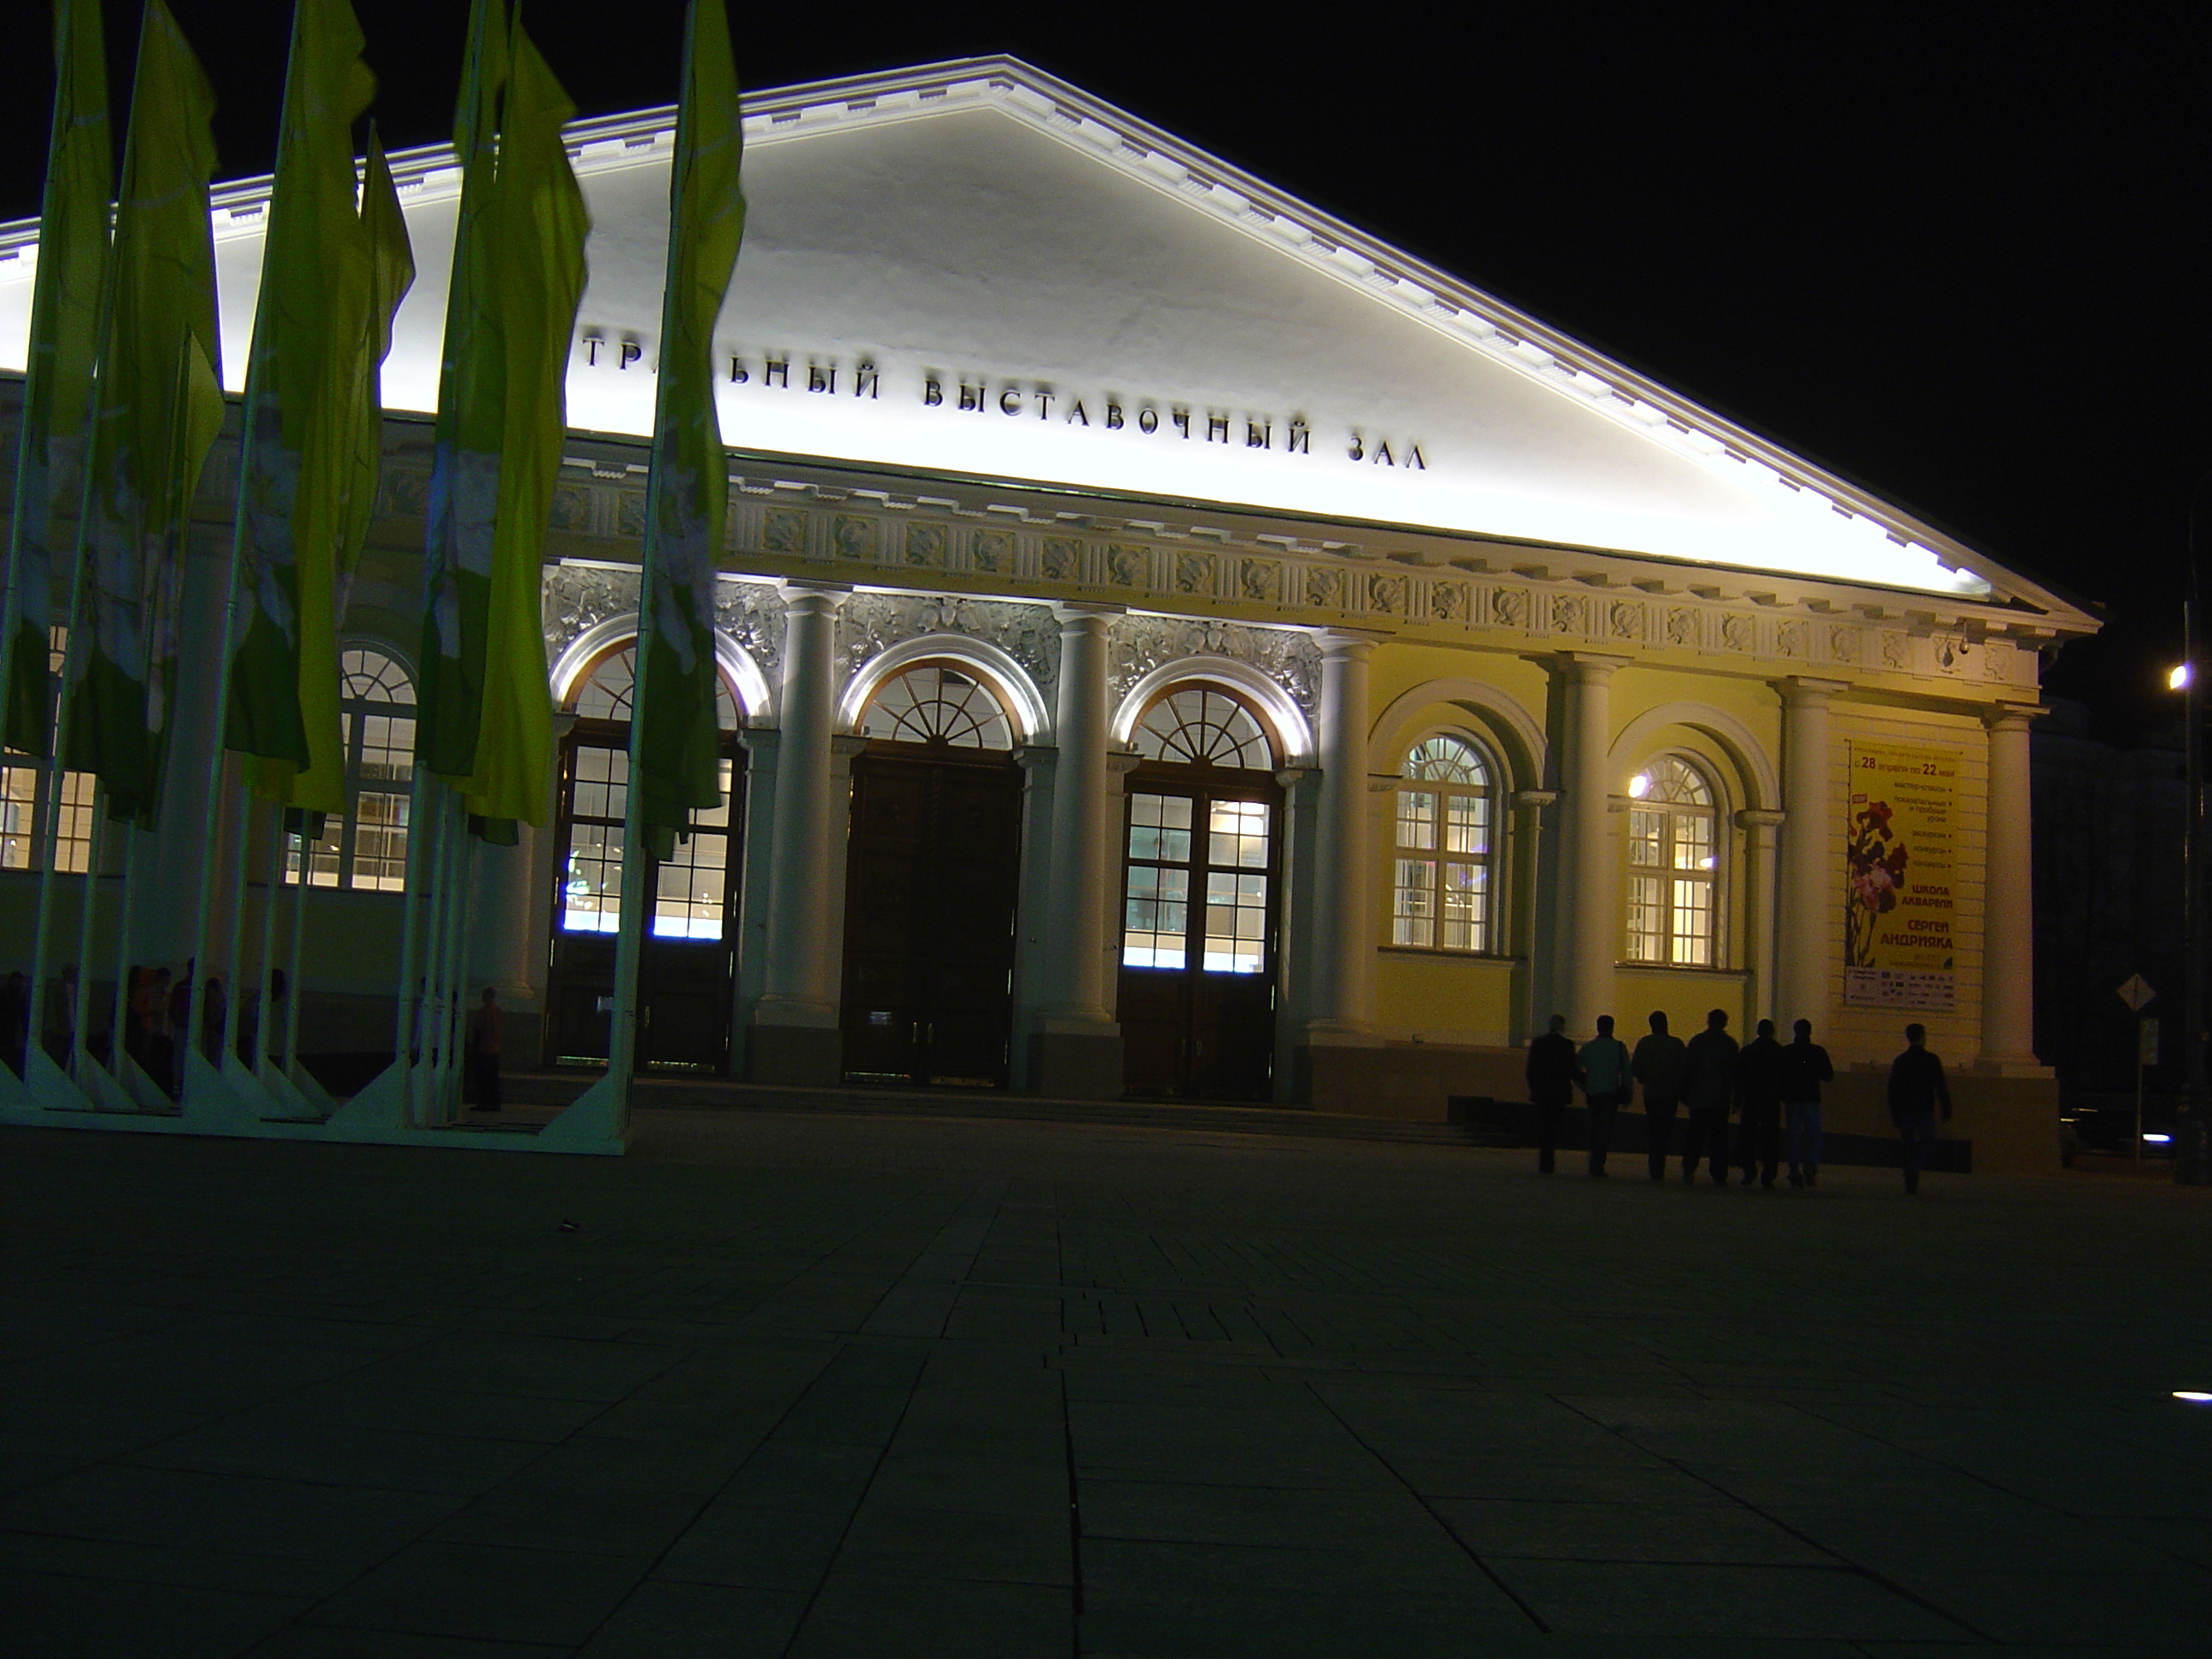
(1957, 254)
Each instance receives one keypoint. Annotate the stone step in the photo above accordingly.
(542, 1089)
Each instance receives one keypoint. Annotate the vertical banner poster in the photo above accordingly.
(1899, 877)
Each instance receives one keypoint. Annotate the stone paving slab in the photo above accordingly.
(833, 1384)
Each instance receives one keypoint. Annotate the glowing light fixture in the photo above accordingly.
(2176, 677)
(2194, 1396)
(2158, 1141)
(1640, 785)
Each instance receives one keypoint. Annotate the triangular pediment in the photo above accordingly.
(973, 268)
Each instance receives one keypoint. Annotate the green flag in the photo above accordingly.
(65, 344)
(157, 409)
(674, 744)
(309, 329)
(539, 215)
(357, 448)
(391, 275)
(464, 463)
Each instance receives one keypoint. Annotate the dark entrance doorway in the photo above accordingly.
(932, 878)
(1200, 885)
(685, 977)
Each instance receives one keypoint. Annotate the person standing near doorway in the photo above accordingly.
(1917, 1089)
(485, 1042)
(1657, 1065)
(1602, 1064)
(1805, 1067)
(1759, 1086)
(1708, 1090)
(1551, 1074)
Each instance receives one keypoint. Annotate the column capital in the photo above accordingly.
(1536, 799)
(1350, 644)
(811, 598)
(1759, 827)
(1800, 690)
(1590, 667)
(1290, 777)
(1029, 756)
(2013, 716)
(1122, 762)
(1070, 612)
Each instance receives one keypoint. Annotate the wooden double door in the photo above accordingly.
(931, 880)
(686, 976)
(1201, 879)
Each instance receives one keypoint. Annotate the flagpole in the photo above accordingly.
(126, 896)
(94, 849)
(273, 871)
(292, 992)
(56, 776)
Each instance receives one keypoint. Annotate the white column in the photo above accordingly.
(1083, 844)
(2008, 897)
(1529, 941)
(1075, 1047)
(1589, 906)
(500, 922)
(1812, 864)
(794, 1038)
(1761, 1001)
(1340, 1006)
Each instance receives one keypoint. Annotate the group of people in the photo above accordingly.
(156, 1011)
(1773, 1088)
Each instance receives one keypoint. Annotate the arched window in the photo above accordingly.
(1440, 885)
(367, 848)
(1198, 725)
(1674, 859)
(690, 898)
(939, 704)
(24, 787)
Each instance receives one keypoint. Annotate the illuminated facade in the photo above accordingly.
(1176, 644)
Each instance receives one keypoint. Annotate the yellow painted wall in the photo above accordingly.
(1445, 998)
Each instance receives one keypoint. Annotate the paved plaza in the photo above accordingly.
(843, 1385)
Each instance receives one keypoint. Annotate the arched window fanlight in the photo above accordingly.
(367, 848)
(1200, 725)
(606, 692)
(938, 704)
(1440, 879)
(1673, 862)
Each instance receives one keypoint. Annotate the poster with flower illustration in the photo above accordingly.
(1899, 856)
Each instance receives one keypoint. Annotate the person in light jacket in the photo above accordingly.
(1805, 1067)
(1708, 1090)
(1602, 1063)
(1657, 1065)
(1917, 1088)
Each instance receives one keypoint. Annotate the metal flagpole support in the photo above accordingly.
(95, 851)
(295, 950)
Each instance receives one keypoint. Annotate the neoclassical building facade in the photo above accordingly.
(1174, 645)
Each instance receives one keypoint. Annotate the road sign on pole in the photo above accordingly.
(2136, 992)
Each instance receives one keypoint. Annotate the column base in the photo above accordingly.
(803, 1056)
(1076, 1064)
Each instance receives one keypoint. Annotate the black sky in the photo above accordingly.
(1958, 253)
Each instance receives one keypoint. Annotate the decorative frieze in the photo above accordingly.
(864, 537)
(576, 598)
(1137, 645)
(868, 625)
